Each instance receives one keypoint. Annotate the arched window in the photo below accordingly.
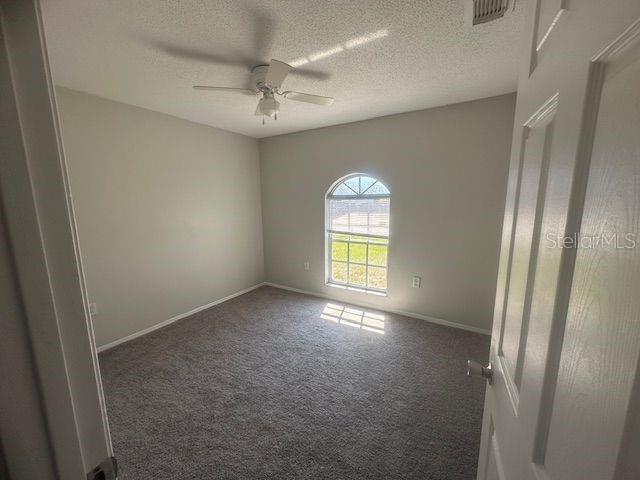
(357, 232)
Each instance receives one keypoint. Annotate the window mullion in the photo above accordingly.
(368, 221)
(330, 256)
(366, 268)
(349, 260)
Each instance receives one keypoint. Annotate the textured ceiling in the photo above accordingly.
(376, 57)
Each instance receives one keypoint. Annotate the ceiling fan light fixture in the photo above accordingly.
(268, 106)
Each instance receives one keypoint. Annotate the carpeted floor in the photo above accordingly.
(270, 386)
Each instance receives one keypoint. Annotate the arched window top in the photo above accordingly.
(359, 186)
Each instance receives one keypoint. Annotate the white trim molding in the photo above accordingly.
(427, 318)
(171, 320)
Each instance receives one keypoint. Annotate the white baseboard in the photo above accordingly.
(169, 321)
(427, 318)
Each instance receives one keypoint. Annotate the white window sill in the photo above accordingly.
(356, 289)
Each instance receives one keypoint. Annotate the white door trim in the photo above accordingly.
(41, 230)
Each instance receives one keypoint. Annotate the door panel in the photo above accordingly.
(532, 179)
(491, 467)
(600, 353)
(532, 166)
(549, 15)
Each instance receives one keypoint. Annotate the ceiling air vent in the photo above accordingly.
(482, 11)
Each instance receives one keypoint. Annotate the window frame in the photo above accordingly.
(328, 235)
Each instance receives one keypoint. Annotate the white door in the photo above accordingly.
(564, 403)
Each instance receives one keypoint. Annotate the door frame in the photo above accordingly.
(42, 241)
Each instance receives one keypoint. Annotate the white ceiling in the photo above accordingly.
(149, 53)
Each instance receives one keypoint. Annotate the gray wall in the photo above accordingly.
(446, 169)
(168, 211)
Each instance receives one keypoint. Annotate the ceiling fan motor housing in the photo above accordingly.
(258, 76)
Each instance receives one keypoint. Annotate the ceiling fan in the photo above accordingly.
(266, 81)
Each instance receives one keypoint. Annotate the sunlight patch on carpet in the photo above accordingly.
(354, 317)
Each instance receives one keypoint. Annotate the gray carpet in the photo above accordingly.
(268, 386)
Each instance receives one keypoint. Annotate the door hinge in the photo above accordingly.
(106, 470)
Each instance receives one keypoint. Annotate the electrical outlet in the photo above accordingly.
(307, 266)
(93, 309)
(416, 281)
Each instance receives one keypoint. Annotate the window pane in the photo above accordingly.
(365, 183)
(339, 251)
(353, 183)
(378, 221)
(342, 189)
(378, 278)
(378, 189)
(339, 272)
(378, 254)
(339, 212)
(357, 274)
(357, 253)
(360, 215)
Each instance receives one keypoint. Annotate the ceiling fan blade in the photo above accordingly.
(244, 91)
(264, 25)
(309, 73)
(308, 98)
(277, 72)
(233, 59)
